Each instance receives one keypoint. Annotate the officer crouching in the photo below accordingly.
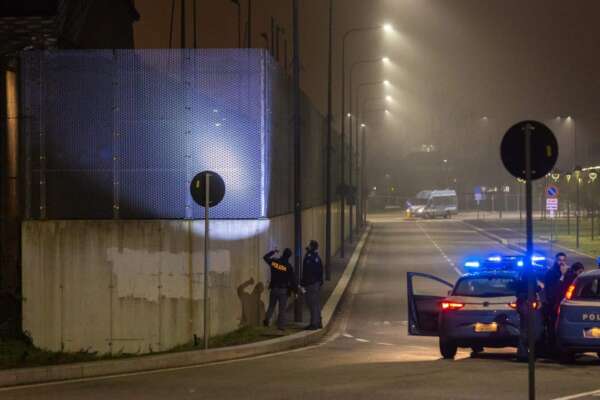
(312, 280)
(282, 282)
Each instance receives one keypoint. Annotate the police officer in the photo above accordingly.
(312, 280)
(282, 281)
(523, 309)
(552, 293)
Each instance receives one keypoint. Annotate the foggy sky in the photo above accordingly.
(453, 62)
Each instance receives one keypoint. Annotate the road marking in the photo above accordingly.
(439, 249)
(384, 344)
(347, 335)
(386, 322)
(362, 340)
(579, 395)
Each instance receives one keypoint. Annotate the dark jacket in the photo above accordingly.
(552, 286)
(282, 273)
(312, 269)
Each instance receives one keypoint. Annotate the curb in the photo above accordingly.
(55, 373)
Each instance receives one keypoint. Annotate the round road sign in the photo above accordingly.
(216, 188)
(552, 191)
(544, 149)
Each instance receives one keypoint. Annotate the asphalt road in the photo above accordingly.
(368, 354)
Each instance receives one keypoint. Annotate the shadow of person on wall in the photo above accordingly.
(253, 307)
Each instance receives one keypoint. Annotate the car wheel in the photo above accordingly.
(447, 348)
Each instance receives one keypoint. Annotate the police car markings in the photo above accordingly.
(440, 250)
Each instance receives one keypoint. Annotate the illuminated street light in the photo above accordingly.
(388, 28)
(349, 115)
(388, 98)
(385, 59)
(343, 123)
(363, 125)
(386, 82)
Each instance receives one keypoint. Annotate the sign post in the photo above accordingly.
(207, 190)
(552, 209)
(529, 151)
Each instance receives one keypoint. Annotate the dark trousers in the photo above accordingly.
(523, 346)
(313, 301)
(277, 296)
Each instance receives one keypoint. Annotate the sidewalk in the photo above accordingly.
(337, 268)
(342, 272)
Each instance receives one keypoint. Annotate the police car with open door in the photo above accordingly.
(477, 311)
(578, 324)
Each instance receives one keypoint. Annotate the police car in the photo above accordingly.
(578, 325)
(478, 311)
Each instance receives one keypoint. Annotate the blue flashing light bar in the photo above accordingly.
(520, 263)
(472, 264)
(495, 258)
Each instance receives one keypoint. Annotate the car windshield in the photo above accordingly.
(485, 287)
(588, 289)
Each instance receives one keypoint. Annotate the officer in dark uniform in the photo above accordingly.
(282, 281)
(312, 280)
(524, 310)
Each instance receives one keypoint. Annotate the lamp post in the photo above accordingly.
(297, 158)
(361, 210)
(353, 159)
(239, 18)
(577, 175)
(249, 24)
(364, 187)
(343, 127)
(328, 153)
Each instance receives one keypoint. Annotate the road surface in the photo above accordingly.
(368, 354)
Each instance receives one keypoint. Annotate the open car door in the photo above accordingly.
(424, 302)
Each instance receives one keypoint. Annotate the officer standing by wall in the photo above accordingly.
(312, 280)
(282, 281)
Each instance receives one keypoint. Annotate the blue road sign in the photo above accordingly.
(552, 191)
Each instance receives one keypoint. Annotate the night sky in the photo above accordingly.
(453, 63)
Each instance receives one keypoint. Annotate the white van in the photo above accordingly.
(441, 203)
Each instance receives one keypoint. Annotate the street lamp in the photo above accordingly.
(343, 130)
(577, 174)
(354, 159)
(239, 18)
(356, 120)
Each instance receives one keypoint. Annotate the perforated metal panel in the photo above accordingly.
(120, 134)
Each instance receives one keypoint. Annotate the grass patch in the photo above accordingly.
(15, 353)
(21, 353)
(562, 232)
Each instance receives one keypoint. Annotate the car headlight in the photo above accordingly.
(420, 210)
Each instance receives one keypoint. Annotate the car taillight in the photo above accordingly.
(448, 305)
(513, 305)
(570, 291)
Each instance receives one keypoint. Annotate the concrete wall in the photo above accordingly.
(136, 286)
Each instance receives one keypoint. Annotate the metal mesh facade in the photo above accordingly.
(120, 134)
